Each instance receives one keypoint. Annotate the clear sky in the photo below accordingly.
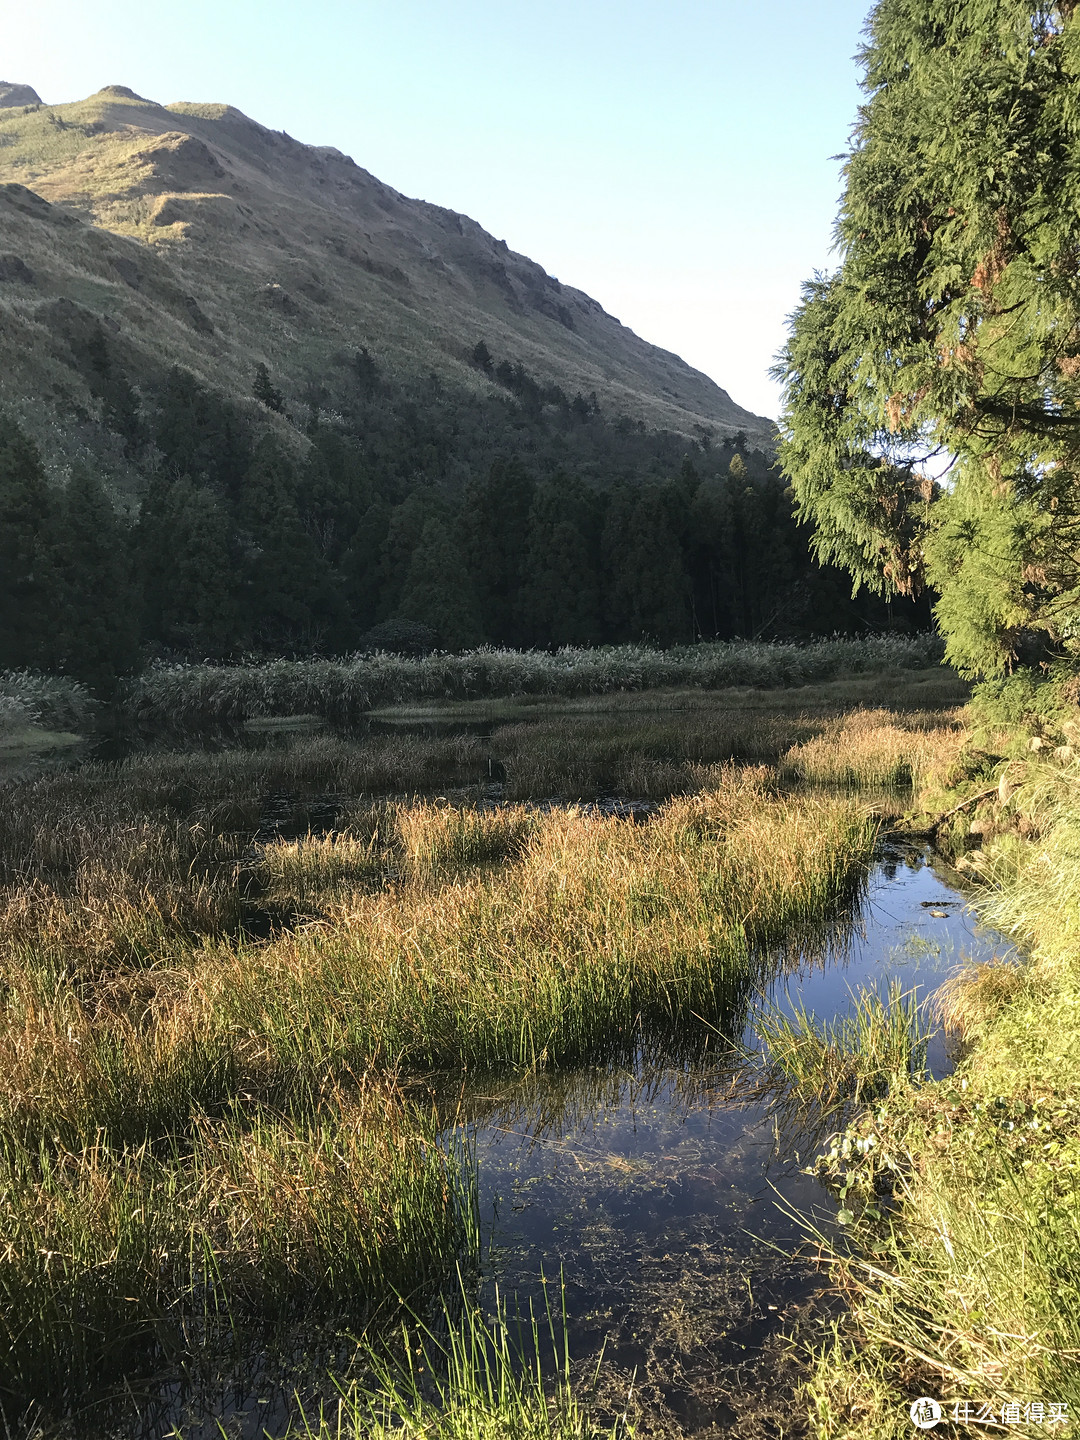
(669, 157)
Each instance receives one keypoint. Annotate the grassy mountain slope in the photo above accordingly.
(201, 238)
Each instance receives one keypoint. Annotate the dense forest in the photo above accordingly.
(395, 514)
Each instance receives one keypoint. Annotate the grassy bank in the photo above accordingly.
(963, 1268)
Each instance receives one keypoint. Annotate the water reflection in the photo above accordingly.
(665, 1196)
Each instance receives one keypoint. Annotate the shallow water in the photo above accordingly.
(658, 1195)
(656, 1203)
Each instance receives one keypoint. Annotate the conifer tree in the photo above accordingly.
(360, 566)
(438, 592)
(29, 586)
(289, 594)
(119, 403)
(647, 590)
(494, 527)
(265, 391)
(98, 627)
(188, 569)
(951, 330)
(201, 435)
(404, 528)
(559, 600)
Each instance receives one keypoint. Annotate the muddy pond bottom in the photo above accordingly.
(658, 1208)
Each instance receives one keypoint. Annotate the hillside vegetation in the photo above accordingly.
(206, 237)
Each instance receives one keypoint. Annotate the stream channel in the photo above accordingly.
(654, 1204)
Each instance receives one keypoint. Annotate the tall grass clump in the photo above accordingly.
(437, 838)
(879, 1046)
(15, 717)
(600, 927)
(481, 1379)
(878, 747)
(110, 1253)
(973, 1292)
(390, 841)
(55, 702)
(189, 699)
(90, 880)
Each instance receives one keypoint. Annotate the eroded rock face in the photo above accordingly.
(18, 94)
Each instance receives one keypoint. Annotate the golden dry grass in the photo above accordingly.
(879, 747)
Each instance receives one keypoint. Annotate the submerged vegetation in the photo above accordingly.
(482, 1382)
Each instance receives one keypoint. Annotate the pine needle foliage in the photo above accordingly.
(951, 331)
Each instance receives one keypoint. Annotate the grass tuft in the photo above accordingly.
(877, 747)
(880, 1046)
(481, 1379)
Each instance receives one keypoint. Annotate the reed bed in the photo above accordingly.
(55, 702)
(191, 699)
(600, 927)
(878, 747)
(375, 844)
(643, 756)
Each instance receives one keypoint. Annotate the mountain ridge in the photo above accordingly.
(193, 231)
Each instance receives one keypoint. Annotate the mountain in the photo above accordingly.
(252, 400)
(200, 238)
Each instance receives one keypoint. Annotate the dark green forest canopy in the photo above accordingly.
(396, 515)
(949, 338)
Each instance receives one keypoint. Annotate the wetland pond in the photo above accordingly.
(654, 1204)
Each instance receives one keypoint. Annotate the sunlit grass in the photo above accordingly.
(879, 1046)
(105, 1250)
(877, 747)
(601, 926)
(198, 1127)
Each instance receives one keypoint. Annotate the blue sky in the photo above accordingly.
(670, 157)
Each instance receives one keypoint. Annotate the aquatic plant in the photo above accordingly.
(879, 1046)
(108, 1253)
(480, 1379)
(189, 699)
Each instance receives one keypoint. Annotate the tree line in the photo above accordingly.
(399, 515)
